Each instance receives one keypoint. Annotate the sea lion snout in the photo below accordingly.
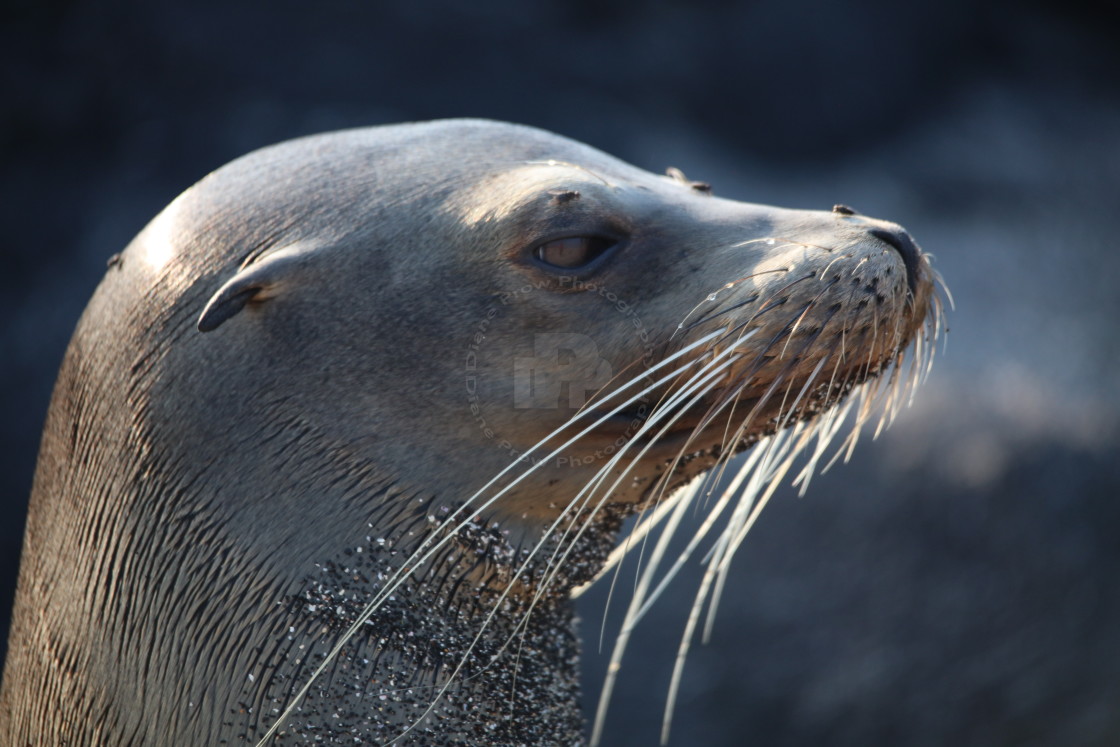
(894, 236)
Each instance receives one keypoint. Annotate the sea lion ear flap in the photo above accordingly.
(262, 279)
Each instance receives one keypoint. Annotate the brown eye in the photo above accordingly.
(576, 251)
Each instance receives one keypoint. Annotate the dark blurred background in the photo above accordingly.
(959, 582)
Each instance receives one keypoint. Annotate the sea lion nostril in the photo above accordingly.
(906, 247)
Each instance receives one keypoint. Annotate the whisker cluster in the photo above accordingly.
(789, 379)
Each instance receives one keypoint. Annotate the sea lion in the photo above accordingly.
(344, 426)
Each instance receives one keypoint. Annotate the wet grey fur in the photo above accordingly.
(212, 508)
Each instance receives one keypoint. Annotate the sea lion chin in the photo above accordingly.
(345, 425)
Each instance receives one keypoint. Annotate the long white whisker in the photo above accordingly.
(755, 476)
(796, 441)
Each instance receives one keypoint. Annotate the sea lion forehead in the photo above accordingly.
(527, 185)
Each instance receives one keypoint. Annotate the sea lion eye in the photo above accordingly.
(572, 252)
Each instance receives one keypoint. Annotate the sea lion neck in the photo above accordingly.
(435, 634)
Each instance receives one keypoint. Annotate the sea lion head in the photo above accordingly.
(478, 284)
